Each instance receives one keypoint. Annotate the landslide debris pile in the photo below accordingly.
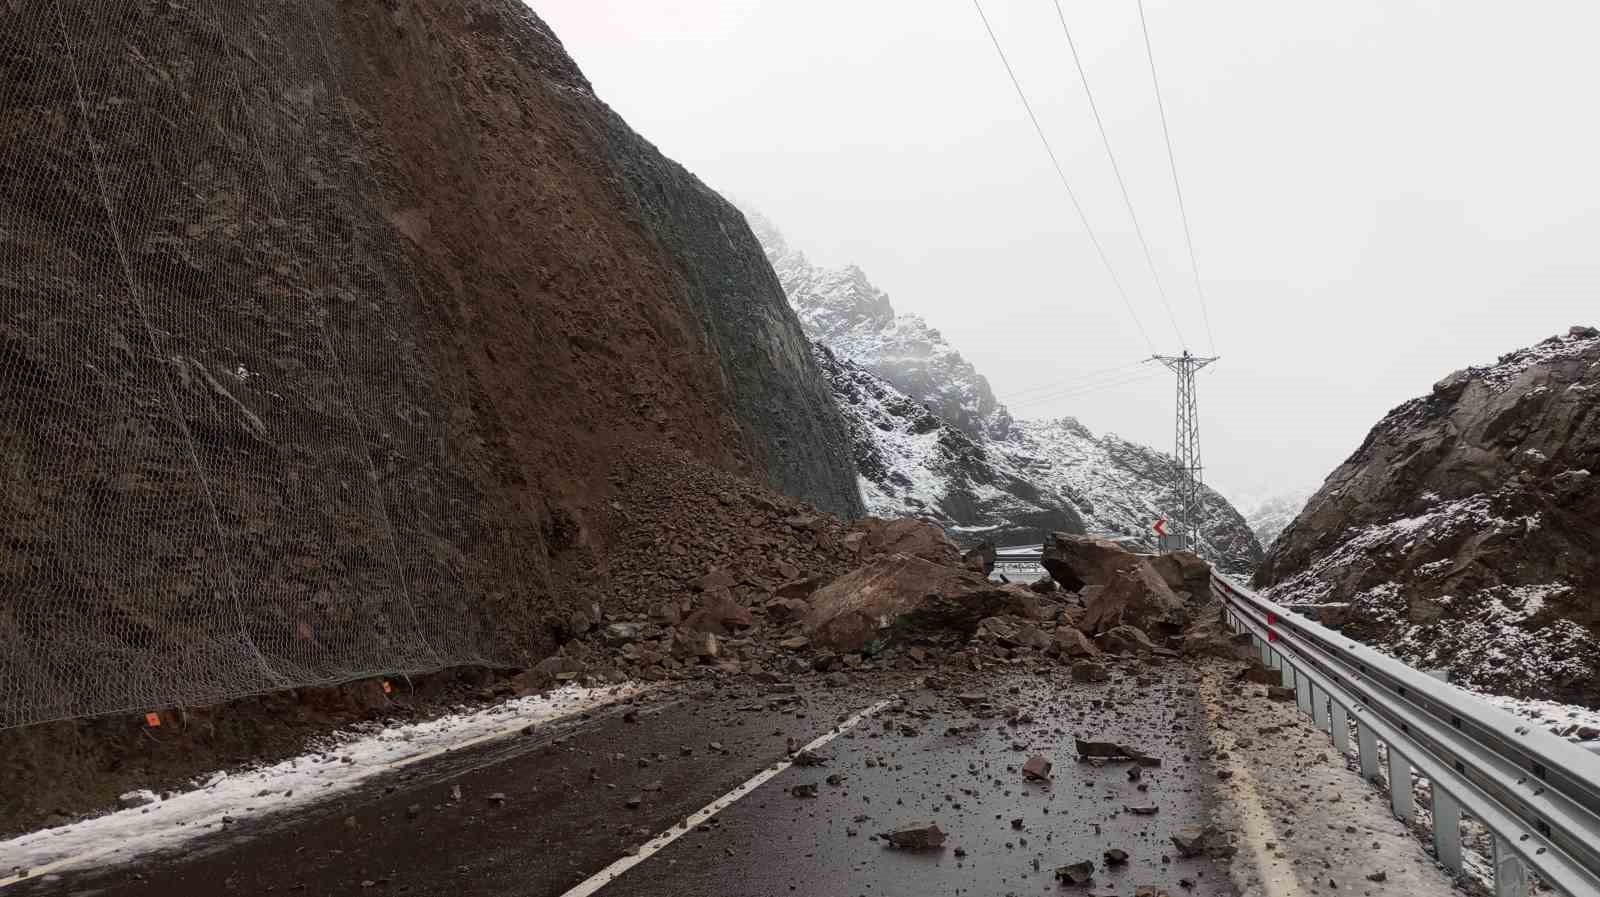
(932, 441)
(321, 326)
(1464, 533)
(719, 577)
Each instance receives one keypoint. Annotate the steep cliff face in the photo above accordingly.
(932, 441)
(321, 326)
(1464, 533)
(841, 309)
(913, 464)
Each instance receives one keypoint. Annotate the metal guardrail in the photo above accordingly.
(1537, 793)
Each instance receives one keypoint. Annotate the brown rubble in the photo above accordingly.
(899, 594)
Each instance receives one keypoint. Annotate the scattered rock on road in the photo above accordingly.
(915, 835)
(1109, 750)
(1076, 873)
(1037, 769)
(1088, 671)
(1195, 841)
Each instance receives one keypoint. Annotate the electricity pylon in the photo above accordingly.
(1186, 471)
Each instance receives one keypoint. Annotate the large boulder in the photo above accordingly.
(720, 614)
(1126, 640)
(1184, 571)
(980, 559)
(898, 594)
(1210, 636)
(917, 538)
(1069, 642)
(1076, 561)
(1015, 631)
(1136, 596)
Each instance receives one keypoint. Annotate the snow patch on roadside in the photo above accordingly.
(342, 761)
(1558, 719)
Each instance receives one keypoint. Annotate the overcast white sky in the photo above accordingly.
(1380, 192)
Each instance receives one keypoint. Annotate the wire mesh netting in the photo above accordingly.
(226, 464)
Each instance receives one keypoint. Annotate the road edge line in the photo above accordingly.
(606, 876)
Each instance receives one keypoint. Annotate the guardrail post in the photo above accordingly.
(1266, 653)
(1319, 708)
(1399, 785)
(1367, 740)
(1341, 728)
(1302, 694)
(1510, 876)
(1446, 830)
(1285, 673)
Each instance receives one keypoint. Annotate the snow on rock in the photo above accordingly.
(842, 310)
(1268, 516)
(1120, 488)
(343, 761)
(913, 464)
(932, 441)
(1464, 534)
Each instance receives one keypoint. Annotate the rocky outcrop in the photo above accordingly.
(319, 363)
(1464, 532)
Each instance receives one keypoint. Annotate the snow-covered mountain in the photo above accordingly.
(932, 441)
(841, 309)
(1121, 488)
(913, 464)
(1268, 516)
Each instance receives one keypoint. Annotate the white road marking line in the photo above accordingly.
(609, 874)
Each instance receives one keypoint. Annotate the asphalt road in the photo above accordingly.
(565, 813)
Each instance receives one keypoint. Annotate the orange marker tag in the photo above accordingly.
(387, 688)
(153, 720)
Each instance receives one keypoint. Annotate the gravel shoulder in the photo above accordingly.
(1306, 823)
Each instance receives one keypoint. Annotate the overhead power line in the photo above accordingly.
(1069, 388)
(1177, 187)
(1073, 378)
(1062, 177)
(1116, 169)
(1073, 392)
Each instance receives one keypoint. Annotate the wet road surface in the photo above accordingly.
(581, 794)
(971, 784)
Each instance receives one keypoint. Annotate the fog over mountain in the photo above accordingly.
(1369, 203)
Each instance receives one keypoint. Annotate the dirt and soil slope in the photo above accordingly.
(322, 327)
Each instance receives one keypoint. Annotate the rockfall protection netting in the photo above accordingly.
(225, 462)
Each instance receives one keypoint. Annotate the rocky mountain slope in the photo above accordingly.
(932, 441)
(1464, 533)
(1268, 517)
(321, 328)
(841, 309)
(913, 464)
(1120, 487)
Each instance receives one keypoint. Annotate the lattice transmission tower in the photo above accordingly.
(1187, 480)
